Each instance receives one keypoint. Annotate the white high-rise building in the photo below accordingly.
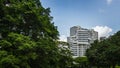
(80, 40)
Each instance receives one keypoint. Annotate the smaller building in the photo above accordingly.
(102, 38)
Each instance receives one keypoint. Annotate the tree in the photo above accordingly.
(28, 38)
(105, 53)
(26, 17)
(114, 50)
(16, 50)
(65, 55)
(80, 62)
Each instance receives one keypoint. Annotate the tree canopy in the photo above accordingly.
(105, 53)
(28, 37)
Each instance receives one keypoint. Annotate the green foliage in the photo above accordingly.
(15, 49)
(80, 62)
(105, 53)
(28, 37)
(117, 66)
(9, 61)
(65, 60)
(80, 59)
(27, 18)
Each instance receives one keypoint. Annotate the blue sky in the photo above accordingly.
(101, 15)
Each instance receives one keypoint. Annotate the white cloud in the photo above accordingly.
(103, 31)
(63, 38)
(109, 2)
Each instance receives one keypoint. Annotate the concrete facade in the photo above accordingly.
(80, 40)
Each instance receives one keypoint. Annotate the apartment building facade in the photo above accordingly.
(80, 40)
